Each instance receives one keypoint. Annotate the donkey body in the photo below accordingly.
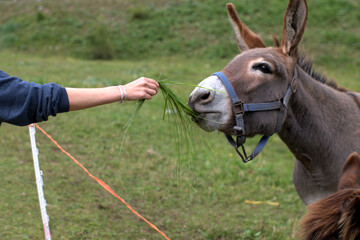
(321, 129)
(321, 126)
(337, 216)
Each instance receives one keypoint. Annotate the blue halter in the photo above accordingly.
(240, 108)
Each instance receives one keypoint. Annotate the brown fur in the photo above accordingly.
(321, 126)
(350, 177)
(319, 116)
(294, 26)
(307, 66)
(251, 40)
(338, 215)
(349, 222)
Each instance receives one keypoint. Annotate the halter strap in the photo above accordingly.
(240, 108)
(228, 86)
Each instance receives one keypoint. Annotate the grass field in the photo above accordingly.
(122, 29)
(189, 195)
(197, 194)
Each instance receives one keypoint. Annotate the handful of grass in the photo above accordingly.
(174, 104)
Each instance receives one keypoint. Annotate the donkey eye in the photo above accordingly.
(263, 67)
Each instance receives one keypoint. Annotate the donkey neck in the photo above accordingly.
(322, 125)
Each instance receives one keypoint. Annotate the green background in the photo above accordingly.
(189, 187)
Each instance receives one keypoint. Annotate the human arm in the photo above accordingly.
(22, 102)
(81, 98)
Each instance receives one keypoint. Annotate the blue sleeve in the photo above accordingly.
(22, 103)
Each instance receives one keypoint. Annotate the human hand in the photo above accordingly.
(142, 88)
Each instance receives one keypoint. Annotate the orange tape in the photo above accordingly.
(102, 183)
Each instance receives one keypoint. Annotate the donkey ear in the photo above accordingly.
(294, 26)
(350, 177)
(245, 38)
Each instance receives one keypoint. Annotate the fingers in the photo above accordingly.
(151, 92)
(148, 93)
(142, 88)
(150, 84)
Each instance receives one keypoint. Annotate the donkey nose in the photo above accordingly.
(200, 97)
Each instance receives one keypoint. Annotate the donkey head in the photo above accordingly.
(258, 74)
(337, 216)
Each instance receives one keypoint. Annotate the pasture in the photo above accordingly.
(197, 194)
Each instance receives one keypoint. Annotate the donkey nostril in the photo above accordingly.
(205, 96)
(200, 97)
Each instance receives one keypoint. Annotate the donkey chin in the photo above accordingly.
(211, 101)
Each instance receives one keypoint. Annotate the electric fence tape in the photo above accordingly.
(98, 180)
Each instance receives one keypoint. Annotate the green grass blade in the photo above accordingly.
(128, 124)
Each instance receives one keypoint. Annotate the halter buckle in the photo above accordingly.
(238, 108)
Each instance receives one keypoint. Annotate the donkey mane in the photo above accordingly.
(307, 65)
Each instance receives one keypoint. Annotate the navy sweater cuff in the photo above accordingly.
(63, 105)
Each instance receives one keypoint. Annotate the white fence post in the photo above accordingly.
(39, 182)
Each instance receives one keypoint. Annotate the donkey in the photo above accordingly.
(338, 215)
(280, 93)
